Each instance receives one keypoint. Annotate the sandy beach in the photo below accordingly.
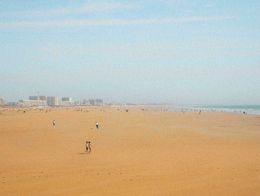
(139, 152)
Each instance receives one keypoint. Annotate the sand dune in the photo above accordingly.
(133, 153)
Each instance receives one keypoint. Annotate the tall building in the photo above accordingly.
(52, 101)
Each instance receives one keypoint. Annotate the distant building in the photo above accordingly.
(77, 103)
(85, 102)
(43, 98)
(34, 101)
(96, 102)
(99, 102)
(52, 101)
(92, 101)
(66, 101)
(33, 97)
(30, 103)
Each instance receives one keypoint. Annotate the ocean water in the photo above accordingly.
(247, 109)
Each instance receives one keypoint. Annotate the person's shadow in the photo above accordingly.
(85, 152)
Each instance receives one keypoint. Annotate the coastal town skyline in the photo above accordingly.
(43, 100)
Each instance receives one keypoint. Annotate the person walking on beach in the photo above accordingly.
(53, 123)
(88, 147)
(97, 125)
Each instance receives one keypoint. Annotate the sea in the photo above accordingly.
(243, 109)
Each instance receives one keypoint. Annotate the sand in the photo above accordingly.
(139, 152)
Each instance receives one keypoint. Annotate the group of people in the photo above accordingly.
(88, 146)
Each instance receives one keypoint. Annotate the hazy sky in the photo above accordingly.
(176, 51)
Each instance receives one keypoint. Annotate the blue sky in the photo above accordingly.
(174, 51)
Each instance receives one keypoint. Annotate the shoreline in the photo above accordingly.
(161, 108)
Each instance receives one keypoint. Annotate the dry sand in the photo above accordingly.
(133, 153)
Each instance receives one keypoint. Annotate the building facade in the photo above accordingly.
(52, 101)
(96, 102)
(30, 103)
(66, 101)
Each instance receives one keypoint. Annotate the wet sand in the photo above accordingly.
(139, 152)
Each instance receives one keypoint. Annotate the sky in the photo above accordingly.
(164, 51)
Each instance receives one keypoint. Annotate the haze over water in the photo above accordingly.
(247, 109)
